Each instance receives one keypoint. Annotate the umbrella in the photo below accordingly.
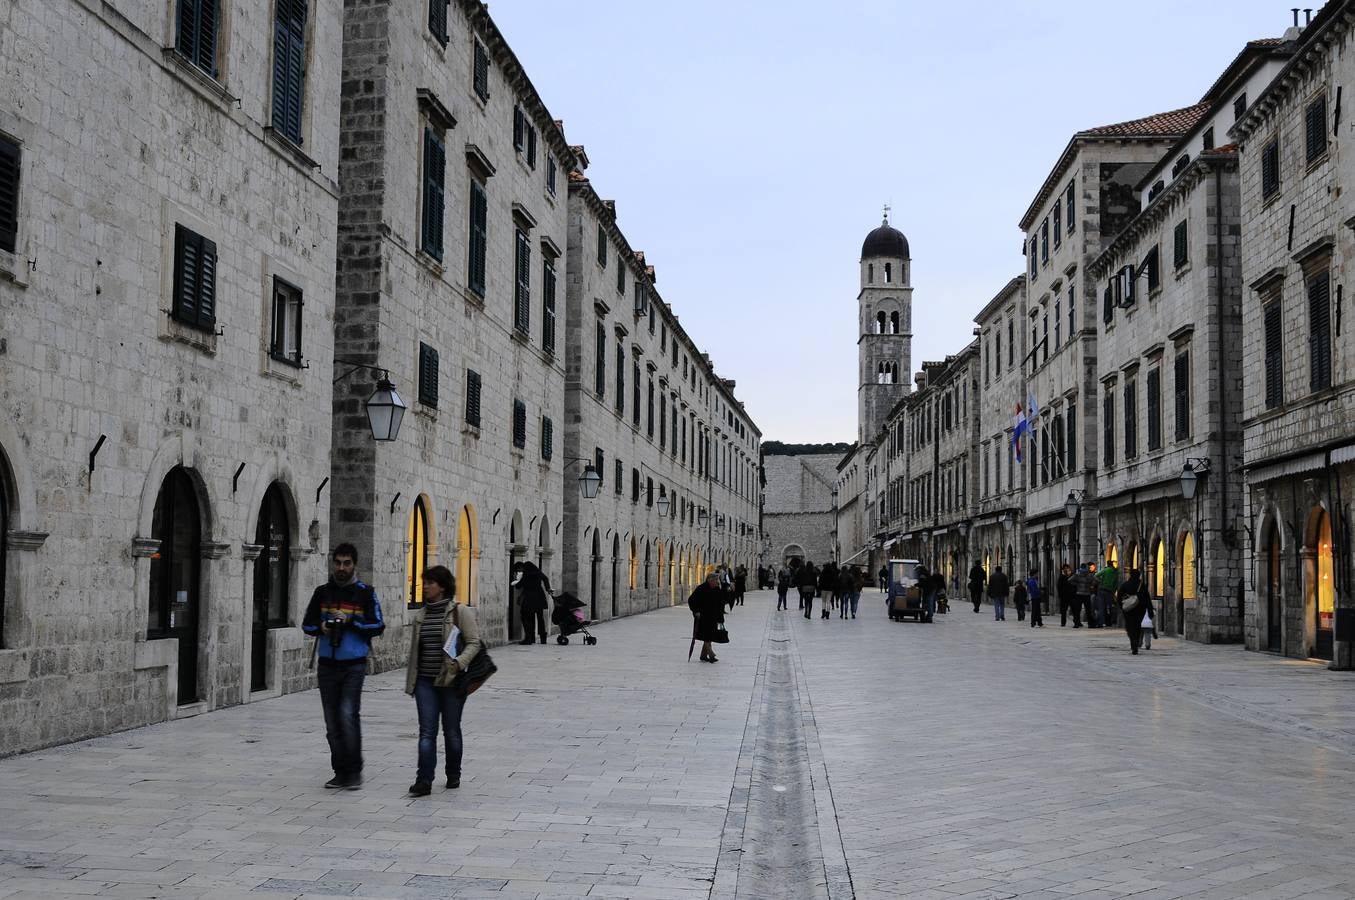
(692, 645)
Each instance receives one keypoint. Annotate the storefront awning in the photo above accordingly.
(1308, 463)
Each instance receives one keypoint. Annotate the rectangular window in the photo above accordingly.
(1208, 138)
(1180, 245)
(1072, 435)
(1150, 263)
(1072, 310)
(478, 246)
(289, 67)
(519, 129)
(1274, 355)
(620, 277)
(547, 438)
(602, 246)
(473, 398)
(1315, 128)
(437, 20)
(1182, 387)
(196, 41)
(1239, 106)
(635, 390)
(619, 479)
(1270, 169)
(480, 72)
(9, 195)
(1034, 259)
(1108, 305)
(1131, 418)
(620, 378)
(1058, 323)
(519, 424)
(600, 362)
(1044, 338)
(1044, 242)
(1319, 332)
(1058, 225)
(597, 465)
(634, 485)
(673, 450)
(663, 422)
(649, 409)
(997, 352)
(548, 305)
(434, 169)
(285, 343)
(194, 279)
(522, 283)
(551, 168)
(428, 375)
(531, 146)
(1011, 342)
(1155, 408)
(1071, 222)
(1108, 428)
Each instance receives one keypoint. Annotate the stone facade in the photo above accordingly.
(1297, 394)
(646, 408)
(148, 412)
(798, 505)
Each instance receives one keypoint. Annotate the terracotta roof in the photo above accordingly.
(1225, 150)
(1166, 124)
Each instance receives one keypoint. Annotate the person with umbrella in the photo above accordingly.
(707, 604)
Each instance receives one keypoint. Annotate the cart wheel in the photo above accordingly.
(562, 640)
(590, 640)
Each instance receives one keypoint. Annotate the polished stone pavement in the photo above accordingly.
(865, 758)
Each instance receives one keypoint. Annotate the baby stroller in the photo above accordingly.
(569, 615)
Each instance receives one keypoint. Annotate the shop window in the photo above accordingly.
(416, 556)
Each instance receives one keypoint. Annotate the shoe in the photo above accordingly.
(453, 783)
(420, 789)
(336, 783)
(853, 615)
(526, 643)
(353, 782)
(712, 658)
(1135, 651)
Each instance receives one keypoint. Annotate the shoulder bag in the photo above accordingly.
(480, 669)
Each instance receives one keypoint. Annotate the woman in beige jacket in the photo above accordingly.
(430, 674)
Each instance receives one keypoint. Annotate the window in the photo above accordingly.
(1208, 138)
(1188, 567)
(634, 485)
(519, 129)
(1011, 342)
(416, 560)
(619, 482)
(434, 170)
(1182, 386)
(198, 23)
(620, 378)
(1044, 338)
(1131, 416)
(997, 351)
(531, 146)
(519, 424)
(289, 67)
(437, 20)
(602, 246)
(1044, 242)
(1315, 129)
(551, 168)
(1150, 264)
(1239, 106)
(272, 567)
(1034, 260)
(285, 342)
(522, 283)
(600, 362)
(1270, 169)
(1058, 322)
(649, 409)
(1180, 245)
(598, 459)
(1069, 216)
(635, 390)
(478, 245)
(1072, 310)
(473, 398)
(194, 279)
(620, 277)
(649, 492)
(5, 505)
(1155, 408)
(9, 194)
(480, 72)
(1108, 428)
(1274, 355)
(428, 375)
(1072, 434)
(1319, 332)
(1108, 305)
(663, 422)
(548, 305)
(1058, 225)
(547, 438)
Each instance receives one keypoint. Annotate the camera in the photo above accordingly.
(334, 625)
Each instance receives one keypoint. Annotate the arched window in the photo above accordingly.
(870, 273)
(416, 557)
(272, 578)
(466, 549)
(5, 504)
(634, 565)
(880, 320)
(1324, 587)
(1112, 554)
(894, 322)
(889, 273)
(1159, 569)
(1188, 567)
(174, 581)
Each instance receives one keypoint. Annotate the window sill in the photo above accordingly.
(1317, 162)
(199, 81)
(283, 369)
(436, 44)
(473, 298)
(14, 268)
(469, 430)
(289, 150)
(424, 411)
(1182, 272)
(171, 329)
(430, 262)
(521, 336)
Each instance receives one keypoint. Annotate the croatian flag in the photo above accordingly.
(1024, 415)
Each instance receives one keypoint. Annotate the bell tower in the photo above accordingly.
(885, 310)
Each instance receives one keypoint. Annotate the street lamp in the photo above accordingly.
(385, 408)
(1073, 507)
(663, 505)
(1191, 473)
(589, 479)
(702, 517)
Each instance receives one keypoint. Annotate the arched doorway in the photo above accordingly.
(543, 549)
(616, 575)
(1157, 581)
(1185, 587)
(793, 555)
(516, 551)
(648, 563)
(416, 553)
(467, 549)
(634, 567)
(272, 577)
(176, 575)
(5, 505)
(1320, 584)
(1112, 555)
(1270, 563)
(594, 564)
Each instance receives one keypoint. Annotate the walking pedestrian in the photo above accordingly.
(999, 586)
(807, 581)
(929, 585)
(977, 578)
(844, 592)
(782, 586)
(1036, 595)
(430, 675)
(1020, 596)
(1067, 598)
(1082, 595)
(1134, 601)
(884, 578)
(858, 584)
(740, 584)
(827, 587)
(533, 590)
(707, 604)
(343, 615)
(1107, 581)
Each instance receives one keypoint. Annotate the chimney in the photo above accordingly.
(1307, 17)
(1293, 31)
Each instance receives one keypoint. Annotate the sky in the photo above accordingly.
(750, 146)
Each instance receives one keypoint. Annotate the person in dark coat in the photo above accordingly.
(1133, 587)
(843, 588)
(707, 604)
(1019, 598)
(740, 584)
(827, 586)
(977, 578)
(1036, 594)
(1083, 587)
(533, 587)
(807, 581)
(999, 586)
(1067, 598)
(884, 578)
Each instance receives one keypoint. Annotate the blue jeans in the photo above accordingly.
(1103, 599)
(436, 703)
(999, 607)
(341, 694)
(929, 603)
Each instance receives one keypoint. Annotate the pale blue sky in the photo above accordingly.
(750, 147)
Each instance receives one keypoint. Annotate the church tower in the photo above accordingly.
(885, 346)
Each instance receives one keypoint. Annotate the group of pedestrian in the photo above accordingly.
(1101, 598)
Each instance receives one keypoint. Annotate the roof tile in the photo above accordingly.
(1165, 124)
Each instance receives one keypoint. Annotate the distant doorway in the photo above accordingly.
(1274, 599)
(175, 578)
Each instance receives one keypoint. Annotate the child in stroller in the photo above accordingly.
(569, 616)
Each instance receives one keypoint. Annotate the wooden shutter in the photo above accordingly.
(1072, 436)
(1070, 223)
(207, 283)
(194, 278)
(531, 146)
(480, 73)
(1180, 245)
(635, 391)
(289, 59)
(548, 306)
(1131, 414)
(620, 476)
(1108, 428)
(600, 367)
(9, 195)
(1274, 356)
(1319, 332)
(437, 20)
(519, 424)
(434, 171)
(519, 129)
(472, 398)
(1154, 408)
(620, 378)
(522, 283)
(196, 41)
(1108, 305)
(479, 237)
(1154, 274)
(1182, 388)
(547, 438)
(428, 375)
(1315, 128)
(599, 458)
(1270, 169)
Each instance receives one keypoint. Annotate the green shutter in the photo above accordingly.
(289, 59)
(434, 173)
(473, 398)
(479, 237)
(428, 375)
(9, 195)
(1274, 356)
(1319, 332)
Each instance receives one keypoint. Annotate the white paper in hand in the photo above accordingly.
(450, 646)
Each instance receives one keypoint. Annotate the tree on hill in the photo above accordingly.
(777, 448)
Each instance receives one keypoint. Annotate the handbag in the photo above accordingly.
(1128, 602)
(480, 669)
(720, 636)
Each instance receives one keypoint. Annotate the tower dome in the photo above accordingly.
(885, 241)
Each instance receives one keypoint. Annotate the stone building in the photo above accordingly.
(1085, 200)
(999, 479)
(885, 327)
(852, 485)
(676, 451)
(798, 514)
(1169, 364)
(166, 309)
(1298, 395)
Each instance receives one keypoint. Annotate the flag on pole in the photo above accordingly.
(1022, 426)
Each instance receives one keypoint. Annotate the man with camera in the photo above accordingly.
(343, 615)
